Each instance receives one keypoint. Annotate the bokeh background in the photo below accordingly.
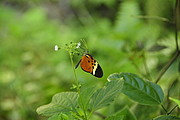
(134, 36)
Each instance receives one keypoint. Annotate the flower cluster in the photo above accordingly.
(72, 48)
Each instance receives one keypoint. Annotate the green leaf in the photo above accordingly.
(124, 114)
(59, 117)
(166, 117)
(139, 90)
(175, 100)
(54, 117)
(106, 95)
(116, 117)
(85, 96)
(61, 102)
(62, 116)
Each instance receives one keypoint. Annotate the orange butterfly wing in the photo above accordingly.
(90, 65)
(86, 63)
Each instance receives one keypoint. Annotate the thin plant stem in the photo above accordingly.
(85, 114)
(138, 69)
(136, 66)
(172, 109)
(176, 21)
(165, 68)
(84, 111)
(90, 114)
(76, 80)
(172, 85)
(153, 17)
(164, 108)
(146, 67)
(176, 37)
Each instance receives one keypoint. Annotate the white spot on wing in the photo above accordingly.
(95, 67)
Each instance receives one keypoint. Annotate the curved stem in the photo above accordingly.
(165, 68)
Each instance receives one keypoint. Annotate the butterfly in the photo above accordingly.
(90, 65)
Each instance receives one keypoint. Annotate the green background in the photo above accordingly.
(123, 36)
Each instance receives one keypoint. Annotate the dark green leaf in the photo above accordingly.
(116, 117)
(144, 92)
(54, 117)
(62, 116)
(61, 102)
(124, 114)
(84, 97)
(168, 117)
(106, 95)
(156, 48)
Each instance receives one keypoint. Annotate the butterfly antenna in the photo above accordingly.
(85, 44)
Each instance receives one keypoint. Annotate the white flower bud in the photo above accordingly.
(56, 48)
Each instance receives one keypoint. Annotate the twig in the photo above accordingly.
(136, 66)
(176, 25)
(165, 68)
(176, 39)
(172, 110)
(164, 108)
(138, 69)
(154, 17)
(175, 82)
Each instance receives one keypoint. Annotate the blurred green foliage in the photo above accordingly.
(117, 35)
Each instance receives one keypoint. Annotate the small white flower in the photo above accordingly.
(56, 48)
(78, 45)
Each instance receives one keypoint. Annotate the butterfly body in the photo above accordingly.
(90, 65)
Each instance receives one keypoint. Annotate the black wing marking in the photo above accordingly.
(98, 72)
(77, 64)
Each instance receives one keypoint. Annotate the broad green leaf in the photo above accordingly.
(124, 114)
(61, 102)
(175, 100)
(59, 117)
(144, 92)
(54, 117)
(145, 112)
(106, 95)
(84, 97)
(62, 116)
(167, 117)
(116, 117)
